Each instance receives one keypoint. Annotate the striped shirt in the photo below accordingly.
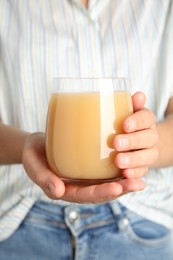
(43, 39)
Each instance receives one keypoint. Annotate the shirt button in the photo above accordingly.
(73, 216)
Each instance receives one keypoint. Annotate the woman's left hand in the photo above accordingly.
(137, 148)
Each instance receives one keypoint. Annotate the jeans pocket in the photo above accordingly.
(145, 232)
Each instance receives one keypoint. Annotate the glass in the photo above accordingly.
(84, 115)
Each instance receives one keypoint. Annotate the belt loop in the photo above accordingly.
(115, 206)
(121, 219)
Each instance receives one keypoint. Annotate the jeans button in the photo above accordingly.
(123, 223)
(73, 216)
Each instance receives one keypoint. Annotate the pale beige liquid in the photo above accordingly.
(80, 131)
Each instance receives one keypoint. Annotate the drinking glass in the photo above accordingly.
(84, 115)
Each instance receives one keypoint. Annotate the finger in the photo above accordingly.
(52, 186)
(135, 159)
(135, 172)
(92, 194)
(135, 141)
(140, 120)
(138, 100)
(132, 185)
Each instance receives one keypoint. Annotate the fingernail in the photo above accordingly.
(123, 143)
(130, 173)
(51, 187)
(125, 160)
(131, 125)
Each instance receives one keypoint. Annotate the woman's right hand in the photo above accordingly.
(37, 168)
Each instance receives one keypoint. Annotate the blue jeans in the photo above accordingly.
(99, 232)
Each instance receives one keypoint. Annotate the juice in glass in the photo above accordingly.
(80, 132)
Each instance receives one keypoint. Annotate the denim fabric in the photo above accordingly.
(100, 232)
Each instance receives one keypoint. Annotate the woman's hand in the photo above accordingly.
(134, 158)
(138, 146)
(36, 166)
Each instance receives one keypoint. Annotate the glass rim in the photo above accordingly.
(88, 84)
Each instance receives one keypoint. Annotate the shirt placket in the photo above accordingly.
(90, 45)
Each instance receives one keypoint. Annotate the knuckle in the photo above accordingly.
(155, 154)
(151, 117)
(157, 136)
(151, 114)
(138, 141)
(154, 137)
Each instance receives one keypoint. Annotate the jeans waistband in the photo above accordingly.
(78, 217)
